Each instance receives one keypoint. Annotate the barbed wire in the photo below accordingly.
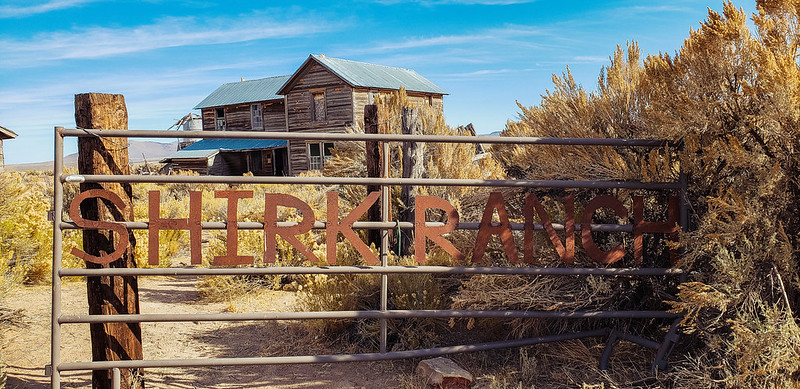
(109, 140)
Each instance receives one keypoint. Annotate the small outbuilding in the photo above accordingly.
(5, 133)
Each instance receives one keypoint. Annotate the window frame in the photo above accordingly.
(220, 124)
(324, 150)
(256, 111)
(319, 106)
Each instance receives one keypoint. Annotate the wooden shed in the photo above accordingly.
(5, 133)
(231, 157)
(328, 94)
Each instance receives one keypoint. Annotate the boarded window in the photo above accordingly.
(257, 118)
(318, 107)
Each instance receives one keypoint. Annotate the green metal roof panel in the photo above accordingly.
(249, 91)
(378, 76)
(367, 75)
(191, 154)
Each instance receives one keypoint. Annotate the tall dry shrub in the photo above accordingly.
(731, 96)
(441, 160)
(406, 291)
(25, 233)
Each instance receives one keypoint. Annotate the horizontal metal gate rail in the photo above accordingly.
(384, 270)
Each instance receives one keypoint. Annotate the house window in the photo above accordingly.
(319, 154)
(318, 106)
(256, 117)
(219, 119)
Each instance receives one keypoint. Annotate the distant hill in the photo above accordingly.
(138, 152)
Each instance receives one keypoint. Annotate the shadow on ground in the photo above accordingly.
(277, 339)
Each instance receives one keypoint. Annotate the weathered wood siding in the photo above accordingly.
(2, 159)
(208, 119)
(315, 78)
(274, 116)
(198, 166)
(237, 117)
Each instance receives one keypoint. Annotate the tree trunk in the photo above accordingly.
(109, 295)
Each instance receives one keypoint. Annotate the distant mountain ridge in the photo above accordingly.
(138, 152)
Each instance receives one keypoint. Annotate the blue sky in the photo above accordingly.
(166, 56)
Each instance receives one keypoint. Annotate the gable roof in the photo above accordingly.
(5, 133)
(262, 89)
(367, 75)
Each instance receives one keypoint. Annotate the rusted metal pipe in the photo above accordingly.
(218, 271)
(373, 226)
(388, 314)
(58, 238)
(306, 359)
(518, 140)
(153, 179)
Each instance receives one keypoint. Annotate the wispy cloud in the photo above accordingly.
(98, 42)
(590, 59)
(655, 9)
(486, 73)
(494, 35)
(16, 11)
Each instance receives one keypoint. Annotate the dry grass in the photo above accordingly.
(545, 293)
(8, 319)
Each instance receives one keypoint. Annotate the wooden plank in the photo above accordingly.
(208, 119)
(237, 117)
(413, 167)
(373, 161)
(109, 295)
(274, 116)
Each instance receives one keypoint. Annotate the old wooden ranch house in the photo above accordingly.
(324, 95)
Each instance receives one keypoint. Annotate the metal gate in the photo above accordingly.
(385, 270)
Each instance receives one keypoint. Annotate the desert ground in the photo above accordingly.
(25, 342)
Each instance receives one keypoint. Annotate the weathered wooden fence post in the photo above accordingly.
(108, 295)
(373, 161)
(413, 167)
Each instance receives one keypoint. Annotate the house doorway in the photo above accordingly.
(281, 162)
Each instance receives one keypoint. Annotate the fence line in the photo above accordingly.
(384, 270)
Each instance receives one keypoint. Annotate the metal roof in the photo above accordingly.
(249, 91)
(5, 133)
(207, 148)
(367, 75)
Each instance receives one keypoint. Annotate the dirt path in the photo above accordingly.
(26, 348)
